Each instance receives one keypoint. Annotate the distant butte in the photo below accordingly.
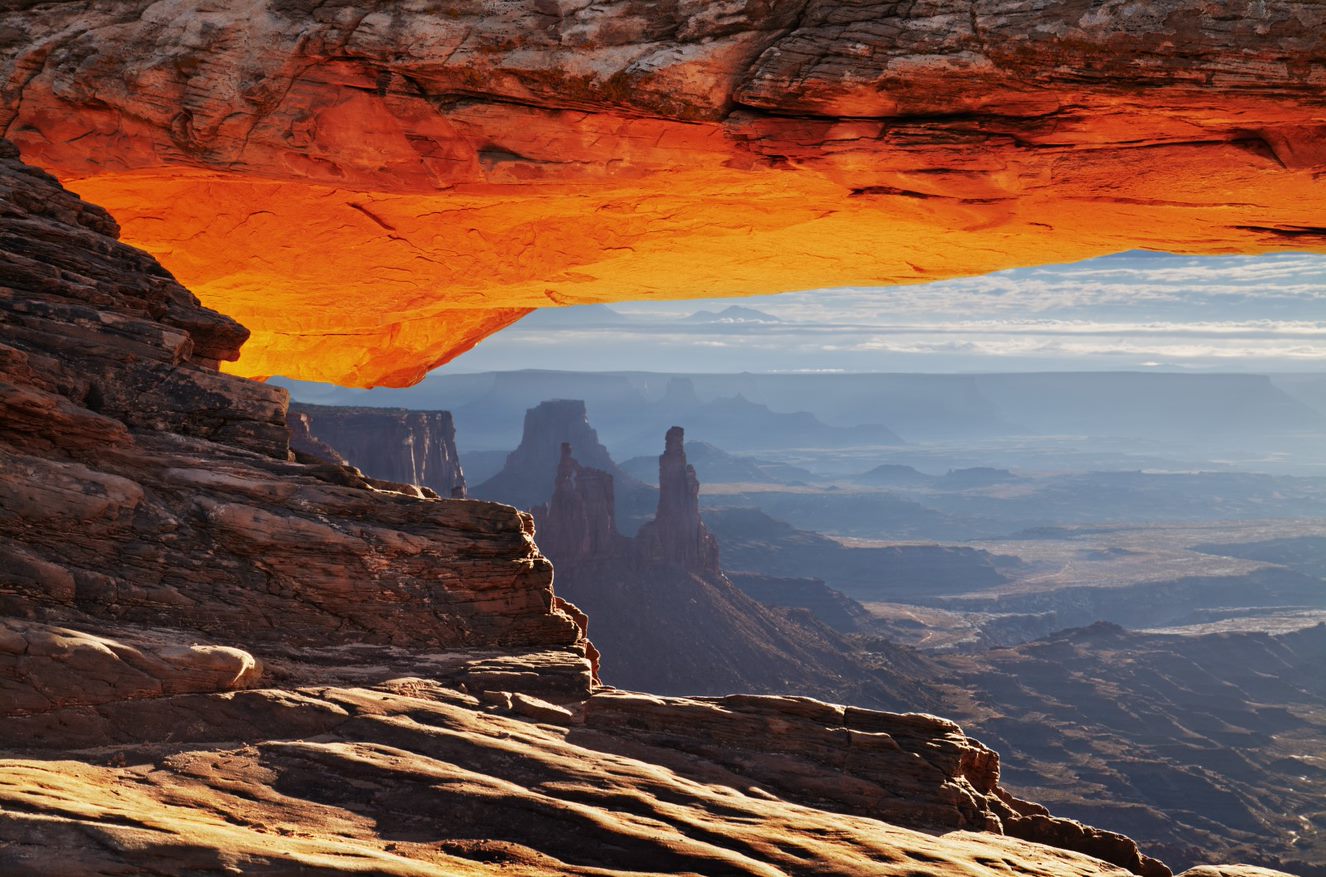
(375, 187)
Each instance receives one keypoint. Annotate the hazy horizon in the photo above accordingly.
(1137, 311)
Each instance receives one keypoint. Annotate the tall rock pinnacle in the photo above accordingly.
(576, 524)
(677, 535)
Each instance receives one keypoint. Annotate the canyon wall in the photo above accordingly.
(141, 486)
(392, 444)
(375, 187)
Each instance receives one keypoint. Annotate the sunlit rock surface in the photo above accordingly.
(374, 187)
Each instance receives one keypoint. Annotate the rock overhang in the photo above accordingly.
(373, 190)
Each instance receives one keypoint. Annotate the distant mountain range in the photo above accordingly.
(595, 316)
(733, 314)
(759, 412)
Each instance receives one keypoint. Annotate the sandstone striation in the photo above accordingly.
(458, 165)
(391, 444)
(140, 486)
(409, 777)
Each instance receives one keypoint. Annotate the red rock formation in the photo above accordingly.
(529, 477)
(142, 486)
(579, 520)
(677, 535)
(458, 165)
(392, 444)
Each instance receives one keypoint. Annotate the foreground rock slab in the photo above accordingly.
(458, 165)
(411, 778)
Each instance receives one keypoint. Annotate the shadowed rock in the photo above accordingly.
(391, 444)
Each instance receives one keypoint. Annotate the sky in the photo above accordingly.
(1131, 311)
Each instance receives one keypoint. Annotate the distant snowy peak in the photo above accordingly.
(732, 314)
(573, 317)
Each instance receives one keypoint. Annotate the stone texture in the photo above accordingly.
(391, 444)
(138, 484)
(44, 667)
(458, 165)
(411, 778)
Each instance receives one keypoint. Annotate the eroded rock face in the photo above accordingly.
(138, 485)
(458, 165)
(412, 777)
(579, 519)
(529, 477)
(392, 444)
(677, 535)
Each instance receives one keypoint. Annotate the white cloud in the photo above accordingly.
(1143, 310)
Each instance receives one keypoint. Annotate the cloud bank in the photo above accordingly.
(1133, 310)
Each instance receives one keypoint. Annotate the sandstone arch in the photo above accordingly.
(373, 188)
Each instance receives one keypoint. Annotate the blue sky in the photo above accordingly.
(1129, 311)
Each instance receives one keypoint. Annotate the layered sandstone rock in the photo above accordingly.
(409, 777)
(138, 485)
(457, 165)
(392, 444)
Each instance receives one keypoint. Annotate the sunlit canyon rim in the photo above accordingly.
(458, 164)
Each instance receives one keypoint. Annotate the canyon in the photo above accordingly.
(217, 657)
(670, 621)
(240, 636)
(460, 165)
(1204, 739)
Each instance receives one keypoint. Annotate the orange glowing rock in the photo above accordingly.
(374, 190)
